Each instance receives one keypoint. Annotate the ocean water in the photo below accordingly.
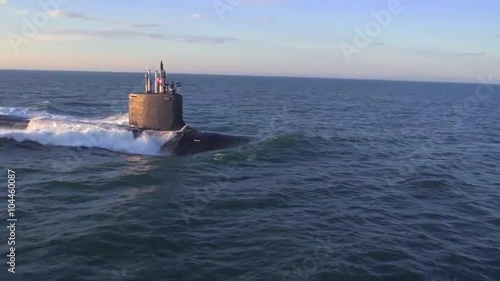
(346, 180)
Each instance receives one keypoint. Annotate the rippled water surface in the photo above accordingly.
(347, 180)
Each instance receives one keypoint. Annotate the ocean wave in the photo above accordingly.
(75, 133)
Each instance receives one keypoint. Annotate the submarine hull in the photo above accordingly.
(185, 142)
(13, 122)
(191, 142)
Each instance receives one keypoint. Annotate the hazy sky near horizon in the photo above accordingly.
(422, 40)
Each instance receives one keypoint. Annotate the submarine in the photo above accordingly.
(159, 110)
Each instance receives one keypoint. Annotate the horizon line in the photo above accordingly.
(256, 75)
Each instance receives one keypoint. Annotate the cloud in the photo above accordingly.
(196, 16)
(72, 15)
(444, 53)
(44, 38)
(478, 54)
(377, 43)
(3, 2)
(144, 25)
(115, 34)
(79, 16)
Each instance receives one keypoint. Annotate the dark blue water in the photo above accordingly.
(348, 180)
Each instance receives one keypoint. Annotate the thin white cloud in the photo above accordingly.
(125, 25)
(45, 38)
(196, 16)
(144, 25)
(450, 54)
(478, 54)
(3, 2)
(120, 33)
(79, 16)
(72, 15)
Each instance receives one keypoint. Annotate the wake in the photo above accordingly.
(107, 133)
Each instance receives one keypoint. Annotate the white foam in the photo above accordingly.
(85, 134)
(120, 119)
(29, 112)
(16, 111)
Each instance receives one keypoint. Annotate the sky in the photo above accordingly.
(420, 40)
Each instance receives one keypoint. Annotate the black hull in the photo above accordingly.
(13, 122)
(191, 142)
(184, 142)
